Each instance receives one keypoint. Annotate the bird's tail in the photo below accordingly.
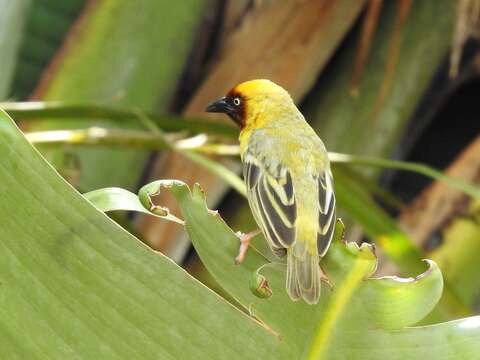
(303, 274)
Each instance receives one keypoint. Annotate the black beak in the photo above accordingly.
(220, 106)
(223, 105)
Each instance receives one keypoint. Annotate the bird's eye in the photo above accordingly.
(236, 101)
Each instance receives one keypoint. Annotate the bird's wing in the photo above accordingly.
(272, 200)
(327, 217)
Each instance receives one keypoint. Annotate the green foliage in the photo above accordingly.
(74, 284)
(79, 284)
(12, 20)
(130, 54)
(373, 312)
(46, 26)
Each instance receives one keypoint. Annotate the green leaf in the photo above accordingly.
(73, 284)
(143, 46)
(46, 27)
(111, 199)
(385, 232)
(361, 318)
(12, 20)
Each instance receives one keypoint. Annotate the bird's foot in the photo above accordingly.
(324, 277)
(244, 244)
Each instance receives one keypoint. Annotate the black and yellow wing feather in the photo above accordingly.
(327, 212)
(272, 200)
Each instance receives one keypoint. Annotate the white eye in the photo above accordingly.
(236, 101)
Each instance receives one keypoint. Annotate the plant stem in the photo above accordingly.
(467, 188)
(31, 111)
(157, 140)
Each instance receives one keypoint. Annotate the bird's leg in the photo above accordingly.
(244, 243)
(324, 277)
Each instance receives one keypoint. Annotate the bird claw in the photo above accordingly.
(326, 279)
(244, 244)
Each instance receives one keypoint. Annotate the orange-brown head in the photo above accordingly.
(249, 103)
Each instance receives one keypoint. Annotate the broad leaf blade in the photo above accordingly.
(126, 53)
(74, 284)
(112, 199)
(356, 313)
(359, 323)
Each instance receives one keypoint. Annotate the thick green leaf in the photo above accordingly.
(73, 284)
(12, 21)
(45, 30)
(361, 319)
(395, 243)
(126, 54)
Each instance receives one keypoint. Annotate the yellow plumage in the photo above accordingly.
(288, 178)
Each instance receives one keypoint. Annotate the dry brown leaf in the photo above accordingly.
(437, 204)
(468, 24)
(366, 37)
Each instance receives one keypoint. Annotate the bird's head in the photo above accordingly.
(252, 103)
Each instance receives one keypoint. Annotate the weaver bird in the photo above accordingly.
(288, 179)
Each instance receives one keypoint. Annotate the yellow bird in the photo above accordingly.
(288, 179)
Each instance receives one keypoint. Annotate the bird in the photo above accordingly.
(288, 179)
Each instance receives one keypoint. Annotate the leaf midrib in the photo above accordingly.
(340, 298)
